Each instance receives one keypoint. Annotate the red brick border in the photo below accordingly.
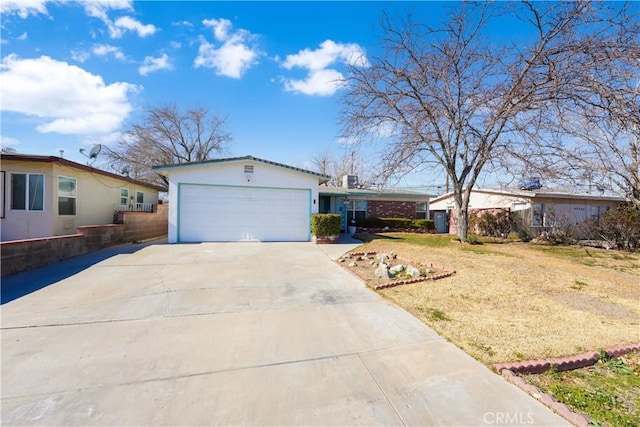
(510, 370)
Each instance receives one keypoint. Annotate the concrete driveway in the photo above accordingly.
(236, 334)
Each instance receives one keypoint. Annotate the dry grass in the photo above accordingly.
(518, 301)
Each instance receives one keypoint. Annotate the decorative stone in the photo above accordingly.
(383, 272)
(412, 271)
(392, 255)
(383, 259)
(353, 264)
(372, 263)
(396, 269)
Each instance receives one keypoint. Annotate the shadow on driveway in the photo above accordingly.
(21, 284)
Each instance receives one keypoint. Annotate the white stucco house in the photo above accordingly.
(538, 209)
(240, 199)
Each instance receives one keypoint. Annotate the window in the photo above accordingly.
(139, 197)
(67, 195)
(124, 196)
(598, 211)
(537, 218)
(356, 209)
(27, 192)
(421, 210)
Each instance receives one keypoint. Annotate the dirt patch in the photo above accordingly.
(365, 264)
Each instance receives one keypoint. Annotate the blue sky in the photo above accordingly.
(77, 73)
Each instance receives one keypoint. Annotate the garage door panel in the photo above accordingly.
(210, 213)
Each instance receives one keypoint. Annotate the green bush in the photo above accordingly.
(424, 223)
(384, 222)
(323, 225)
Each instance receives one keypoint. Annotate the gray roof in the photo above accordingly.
(532, 194)
(165, 168)
(368, 192)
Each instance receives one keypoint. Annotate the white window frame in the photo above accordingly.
(421, 213)
(69, 196)
(124, 197)
(27, 192)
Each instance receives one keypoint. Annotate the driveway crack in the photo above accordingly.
(382, 390)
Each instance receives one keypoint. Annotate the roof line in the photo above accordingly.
(69, 163)
(238, 159)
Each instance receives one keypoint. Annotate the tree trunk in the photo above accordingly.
(462, 209)
(463, 224)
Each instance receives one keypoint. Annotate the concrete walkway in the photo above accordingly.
(236, 334)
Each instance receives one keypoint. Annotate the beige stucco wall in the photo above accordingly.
(96, 196)
(24, 224)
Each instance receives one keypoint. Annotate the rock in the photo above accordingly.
(412, 271)
(372, 263)
(353, 264)
(392, 255)
(396, 269)
(382, 272)
(383, 259)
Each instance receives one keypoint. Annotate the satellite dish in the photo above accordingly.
(95, 151)
(9, 150)
(125, 171)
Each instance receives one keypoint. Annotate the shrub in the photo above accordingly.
(424, 223)
(323, 225)
(619, 227)
(496, 225)
(384, 222)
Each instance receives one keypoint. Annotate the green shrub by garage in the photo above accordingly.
(323, 225)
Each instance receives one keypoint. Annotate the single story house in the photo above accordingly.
(43, 196)
(240, 199)
(352, 202)
(538, 210)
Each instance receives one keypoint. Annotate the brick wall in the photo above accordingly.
(390, 209)
(141, 226)
(22, 255)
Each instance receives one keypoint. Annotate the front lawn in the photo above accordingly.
(607, 392)
(519, 301)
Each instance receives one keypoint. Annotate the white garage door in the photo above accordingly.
(230, 214)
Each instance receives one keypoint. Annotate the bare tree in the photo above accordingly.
(597, 124)
(349, 163)
(457, 102)
(165, 136)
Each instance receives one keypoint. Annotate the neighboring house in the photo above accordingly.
(45, 196)
(538, 210)
(352, 202)
(240, 199)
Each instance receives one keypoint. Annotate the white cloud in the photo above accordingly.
(321, 79)
(80, 55)
(6, 141)
(221, 28)
(318, 82)
(105, 49)
(182, 24)
(128, 23)
(23, 8)
(23, 36)
(100, 8)
(233, 56)
(175, 44)
(68, 99)
(152, 64)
